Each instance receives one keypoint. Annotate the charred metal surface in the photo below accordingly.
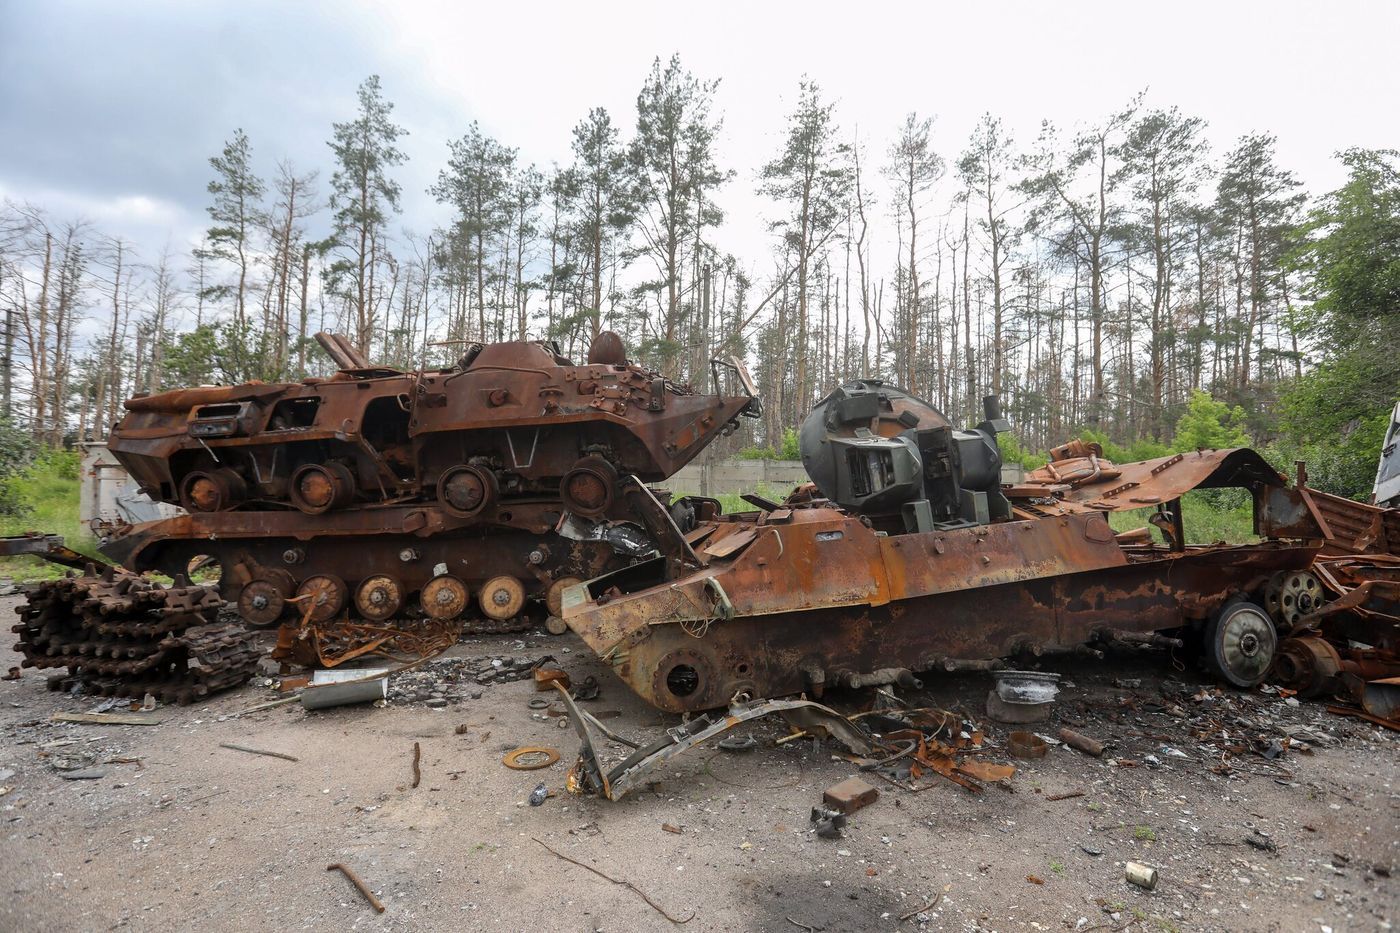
(938, 570)
(359, 491)
(588, 775)
(48, 547)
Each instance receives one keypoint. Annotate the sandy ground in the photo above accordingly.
(197, 836)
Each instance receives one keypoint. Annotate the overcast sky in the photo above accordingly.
(110, 110)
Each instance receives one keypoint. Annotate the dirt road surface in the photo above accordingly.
(180, 833)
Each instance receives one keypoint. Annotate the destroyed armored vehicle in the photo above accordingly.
(907, 554)
(377, 493)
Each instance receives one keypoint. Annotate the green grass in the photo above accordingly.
(1209, 516)
(53, 503)
(731, 502)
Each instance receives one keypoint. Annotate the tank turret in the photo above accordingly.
(879, 451)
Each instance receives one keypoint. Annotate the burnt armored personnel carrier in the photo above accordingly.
(378, 493)
(908, 554)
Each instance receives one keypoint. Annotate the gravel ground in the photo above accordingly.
(197, 836)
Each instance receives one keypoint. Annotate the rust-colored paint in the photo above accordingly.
(376, 472)
(807, 595)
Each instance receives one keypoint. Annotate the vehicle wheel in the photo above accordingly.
(1240, 642)
(264, 598)
(502, 598)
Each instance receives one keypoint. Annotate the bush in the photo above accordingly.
(60, 462)
(1345, 466)
(1141, 449)
(1013, 451)
(756, 453)
(16, 453)
(789, 451)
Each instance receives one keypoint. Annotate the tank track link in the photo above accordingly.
(122, 635)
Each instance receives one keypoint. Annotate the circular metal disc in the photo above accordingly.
(554, 596)
(379, 597)
(261, 602)
(588, 488)
(467, 491)
(502, 598)
(328, 593)
(555, 625)
(530, 758)
(1244, 641)
(203, 493)
(1299, 594)
(316, 488)
(444, 597)
(320, 487)
(212, 492)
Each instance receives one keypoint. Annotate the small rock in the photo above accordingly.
(437, 703)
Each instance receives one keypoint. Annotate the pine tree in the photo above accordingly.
(237, 215)
(362, 195)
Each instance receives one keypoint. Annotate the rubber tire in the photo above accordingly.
(1215, 649)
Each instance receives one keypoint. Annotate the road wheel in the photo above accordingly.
(502, 598)
(1239, 643)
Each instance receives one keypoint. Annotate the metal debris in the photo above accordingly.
(626, 884)
(352, 508)
(122, 635)
(360, 886)
(530, 758)
(911, 556)
(258, 751)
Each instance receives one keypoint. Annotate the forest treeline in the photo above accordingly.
(1098, 278)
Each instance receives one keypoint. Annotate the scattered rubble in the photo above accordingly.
(440, 682)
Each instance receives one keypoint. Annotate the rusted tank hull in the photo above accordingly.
(378, 494)
(790, 652)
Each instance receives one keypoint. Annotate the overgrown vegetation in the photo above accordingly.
(789, 449)
(48, 489)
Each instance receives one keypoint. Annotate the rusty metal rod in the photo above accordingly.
(417, 773)
(363, 888)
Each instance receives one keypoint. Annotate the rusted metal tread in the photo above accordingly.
(122, 635)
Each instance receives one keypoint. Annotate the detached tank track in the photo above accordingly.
(121, 635)
(493, 627)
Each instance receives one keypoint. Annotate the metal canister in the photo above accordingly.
(1141, 875)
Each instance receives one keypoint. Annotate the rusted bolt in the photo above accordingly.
(536, 557)
(408, 555)
(986, 560)
(293, 555)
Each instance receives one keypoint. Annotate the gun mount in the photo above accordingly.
(877, 450)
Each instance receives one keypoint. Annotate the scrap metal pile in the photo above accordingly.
(1342, 617)
(388, 511)
(122, 635)
(908, 554)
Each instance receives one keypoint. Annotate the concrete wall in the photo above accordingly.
(109, 494)
(732, 477)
